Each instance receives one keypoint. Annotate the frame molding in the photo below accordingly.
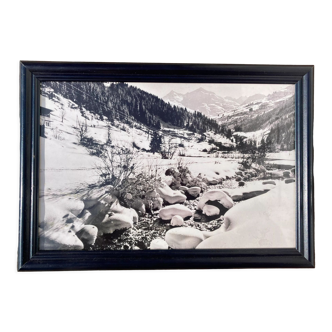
(32, 259)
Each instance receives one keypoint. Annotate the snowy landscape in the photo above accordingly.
(127, 167)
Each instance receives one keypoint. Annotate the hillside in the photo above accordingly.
(128, 104)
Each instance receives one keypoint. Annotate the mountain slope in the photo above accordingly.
(203, 101)
(119, 101)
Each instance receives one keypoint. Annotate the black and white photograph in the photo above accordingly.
(143, 166)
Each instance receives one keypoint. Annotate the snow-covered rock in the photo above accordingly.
(177, 220)
(211, 210)
(215, 195)
(158, 244)
(269, 182)
(266, 221)
(168, 179)
(184, 238)
(168, 212)
(88, 234)
(194, 191)
(117, 218)
(169, 195)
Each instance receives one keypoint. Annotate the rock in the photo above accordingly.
(135, 215)
(158, 244)
(177, 220)
(85, 215)
(170, 171)
(203, 185)
(238, 179)
(241, 183)
(239, 173)
(153, 199)
(168, 212)
(99, 211)
(194, 191)
(266, 221)
(170, 195)
(211, 210)
(286, 174)
(184, 238)
(168, 179)
(88, 234)
(184, 188)
(215, 195)
(117, 218)
(60, 239)
(138, 205)
(289, 180)
(92, 196)
(269, 182)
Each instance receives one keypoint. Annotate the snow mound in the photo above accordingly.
(266, 221)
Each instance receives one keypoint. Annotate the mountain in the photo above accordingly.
(128, 104)
(250, 99)
(203, 101)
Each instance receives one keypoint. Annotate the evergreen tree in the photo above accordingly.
(155, 144)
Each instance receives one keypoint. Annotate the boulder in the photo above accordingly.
(115, 222)
(168, 212)
(117, 218)
(215, 195)
(184, 188)
(194, 191)
(241, 183)
(289, 180)
(177, 220)
(238, 178)
(269, 182)
(158, 244)
(168, 179)
(240, 173)
(88, 234)
(169, 195)
(267, 221)
(211, 210)
(184, 238)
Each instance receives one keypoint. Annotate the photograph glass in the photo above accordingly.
(141, 166)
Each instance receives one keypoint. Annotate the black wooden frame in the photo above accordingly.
(32, 259)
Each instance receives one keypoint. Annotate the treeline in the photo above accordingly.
(126, 103)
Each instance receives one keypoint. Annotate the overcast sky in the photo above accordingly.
(223, 90)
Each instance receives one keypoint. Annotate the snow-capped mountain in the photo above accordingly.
(203, 101)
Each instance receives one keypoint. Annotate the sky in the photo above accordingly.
(223, 90)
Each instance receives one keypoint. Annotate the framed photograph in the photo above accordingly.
(165, 166)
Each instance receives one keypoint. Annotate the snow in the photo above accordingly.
(266, 221)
